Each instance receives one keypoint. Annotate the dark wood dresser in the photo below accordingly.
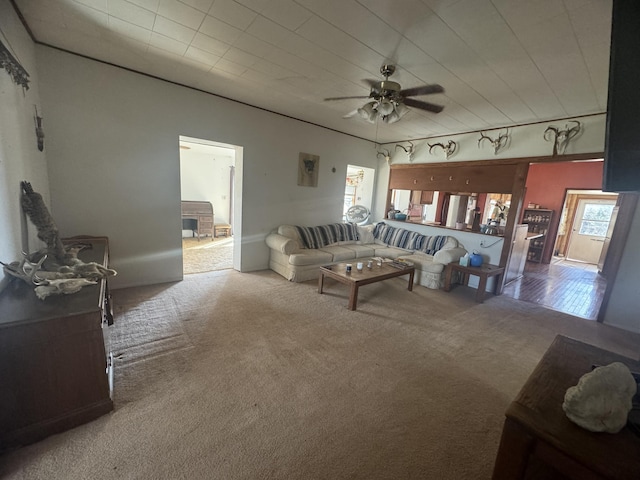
(55, 372)
(197, 217)
(540, 442)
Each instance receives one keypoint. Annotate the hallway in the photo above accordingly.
(570, 287)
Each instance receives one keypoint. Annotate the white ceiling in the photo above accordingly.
(501, 62)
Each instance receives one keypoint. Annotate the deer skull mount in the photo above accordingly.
(386, 154)
(498, 143)
(561, 138)
(449, 149)
(410, 150)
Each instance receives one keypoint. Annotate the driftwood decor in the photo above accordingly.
(16, 71)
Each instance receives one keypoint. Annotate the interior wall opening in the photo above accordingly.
(209, 197)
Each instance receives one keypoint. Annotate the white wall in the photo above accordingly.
(114, 164)
(624, 305)
(20, 158)
(204, 176)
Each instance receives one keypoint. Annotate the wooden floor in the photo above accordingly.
(570, 287)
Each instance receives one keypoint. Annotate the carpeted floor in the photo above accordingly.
(247, 376)
(206, 255)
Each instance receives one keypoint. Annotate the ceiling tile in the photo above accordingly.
(201, 5)
(211, 45)
(173, 30)
(130, 30)
(181, 13)
(96, 4)
(233, 13)
(286, 13)
(241, 57)
(151, 5)
(130, 13)
(201, 56)
(216, 28)
(230, 67)
(168, 44)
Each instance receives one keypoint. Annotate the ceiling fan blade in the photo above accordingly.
(370, 82)
(351, 114)
(423, 90)
(431, 107)
(345, 98)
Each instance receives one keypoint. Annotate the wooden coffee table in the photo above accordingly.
(356, 279)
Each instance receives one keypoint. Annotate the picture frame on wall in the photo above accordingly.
(308, 166)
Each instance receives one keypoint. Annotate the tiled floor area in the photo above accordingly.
(570, 287)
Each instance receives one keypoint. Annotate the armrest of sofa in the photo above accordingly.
(281, 243)
(449, 255)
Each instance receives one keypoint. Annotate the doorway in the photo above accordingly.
(358, 188)
(586, 222)
(208, 184)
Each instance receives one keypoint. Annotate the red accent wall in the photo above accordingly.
(547, 184)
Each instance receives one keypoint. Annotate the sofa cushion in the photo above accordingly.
(361, 251)
(431, 244)
(339, 253)
(310, 257)
(291, 232)
(365, 234)
(323, 235)
(390, 252)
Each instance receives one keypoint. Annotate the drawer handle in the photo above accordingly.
(450, 177)
(415, 182)
(467, 182)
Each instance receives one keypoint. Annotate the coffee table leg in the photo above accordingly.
(320, 282)
(410, 286)
(353, 297)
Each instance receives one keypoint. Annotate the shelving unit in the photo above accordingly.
(538, 221)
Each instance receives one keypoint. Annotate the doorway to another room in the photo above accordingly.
(572, 282)
(207, 181)
(358, 192)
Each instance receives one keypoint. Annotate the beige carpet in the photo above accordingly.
(247, 376)
(206, 255)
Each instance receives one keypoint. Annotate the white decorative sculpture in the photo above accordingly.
(601, 401)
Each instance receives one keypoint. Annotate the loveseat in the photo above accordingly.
(296, 252)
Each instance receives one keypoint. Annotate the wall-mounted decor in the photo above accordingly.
(39, 130)
(561, 138)
(308, 166)
(13, 67)
(410, 150)
(498, 143)
(384, 153)
(449, 149)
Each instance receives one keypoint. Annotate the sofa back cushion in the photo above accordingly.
(409, 240)
(323, 235)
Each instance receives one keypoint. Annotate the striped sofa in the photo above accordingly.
(296, 252)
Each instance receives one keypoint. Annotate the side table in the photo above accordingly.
(540, 442)
(484, 272)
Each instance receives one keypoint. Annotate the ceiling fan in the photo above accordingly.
(390, 101)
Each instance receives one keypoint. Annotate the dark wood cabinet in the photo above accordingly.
(540, 442)
(460, 178)
(55, 371)
(538, 221)
(198, 217)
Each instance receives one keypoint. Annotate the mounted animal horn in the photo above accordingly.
(498, 143)
(385, 153)
(449, 149)
(561, 138)
(410, 150)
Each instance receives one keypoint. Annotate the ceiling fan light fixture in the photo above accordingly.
(385, 107)
(368, 112)
(393, 117)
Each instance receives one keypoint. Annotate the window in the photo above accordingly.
(595, 219)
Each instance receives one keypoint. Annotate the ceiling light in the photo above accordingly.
(385, 107)
(368, 112)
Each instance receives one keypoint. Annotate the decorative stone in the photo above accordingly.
(601, 401)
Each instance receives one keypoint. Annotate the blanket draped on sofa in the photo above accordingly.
(323, 235)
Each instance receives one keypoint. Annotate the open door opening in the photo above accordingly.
(358, 193)
(208, 197)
